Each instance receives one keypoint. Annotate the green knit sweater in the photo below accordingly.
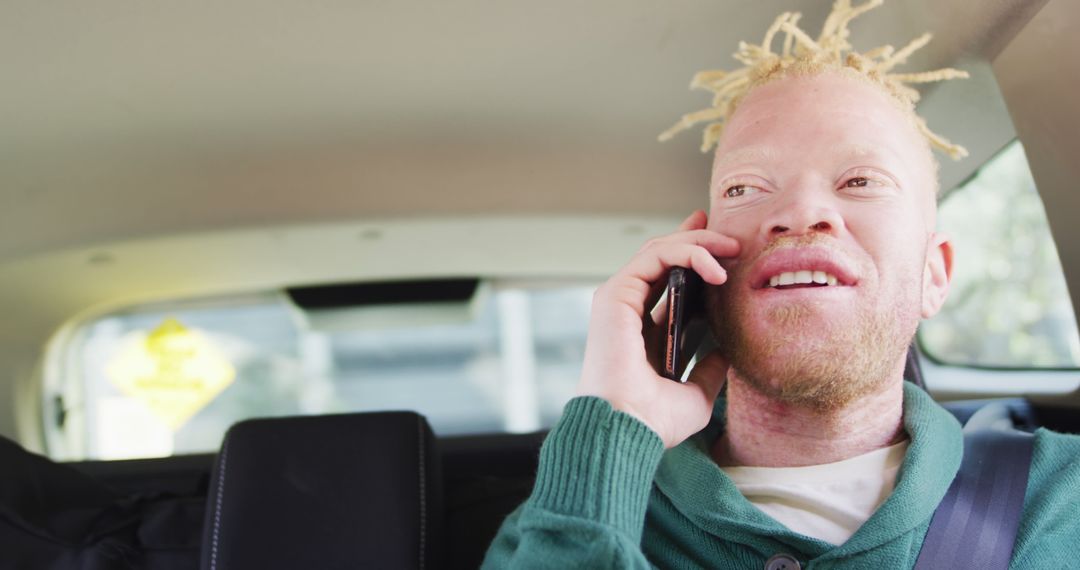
(607, 495)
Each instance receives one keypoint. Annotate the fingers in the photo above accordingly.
(692, 225)
(692, 231)
(710, 374)
(635, 283)
(642, 281)
(716, 243)
(693, 250)
(695, 221)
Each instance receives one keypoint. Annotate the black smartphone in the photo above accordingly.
(687, 326)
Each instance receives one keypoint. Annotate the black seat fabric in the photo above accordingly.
(345, 491)
(485, 477)
(912, 368)
(54, 517)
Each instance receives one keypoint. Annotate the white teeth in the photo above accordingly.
(802, 276)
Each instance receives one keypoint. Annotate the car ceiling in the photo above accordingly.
(123, 119)
(128, 122)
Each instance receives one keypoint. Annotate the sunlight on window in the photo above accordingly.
(1009, 305)
(507, 361)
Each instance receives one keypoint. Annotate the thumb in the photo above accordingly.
(710, 374)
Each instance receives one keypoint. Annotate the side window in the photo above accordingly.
(1009, 305)
(170, 378)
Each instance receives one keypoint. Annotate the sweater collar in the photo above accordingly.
(702, 492)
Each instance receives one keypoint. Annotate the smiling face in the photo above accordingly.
(830, 191)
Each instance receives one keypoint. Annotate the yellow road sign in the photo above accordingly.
(173, 370)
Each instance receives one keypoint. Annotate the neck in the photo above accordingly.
(762, 432)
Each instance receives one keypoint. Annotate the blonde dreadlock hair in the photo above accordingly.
(802, 55)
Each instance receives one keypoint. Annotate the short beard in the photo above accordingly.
(856, 360)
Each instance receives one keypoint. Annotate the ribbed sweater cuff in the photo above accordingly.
(598, 463)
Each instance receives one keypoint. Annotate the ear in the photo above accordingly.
(937, 274)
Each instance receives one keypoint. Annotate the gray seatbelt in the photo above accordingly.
(975, 524)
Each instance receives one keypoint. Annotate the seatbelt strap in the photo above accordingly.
(975, 525)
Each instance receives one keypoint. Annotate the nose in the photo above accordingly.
(800, 212)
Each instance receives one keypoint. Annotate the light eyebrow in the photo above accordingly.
(751, 154)
(859, 150)
(867, 151)
(882, 154)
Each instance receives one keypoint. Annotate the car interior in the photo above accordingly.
(292, 284)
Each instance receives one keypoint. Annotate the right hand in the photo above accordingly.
(624, 335)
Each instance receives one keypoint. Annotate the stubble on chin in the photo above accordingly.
(800, 363)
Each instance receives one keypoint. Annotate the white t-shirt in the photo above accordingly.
(829, 501)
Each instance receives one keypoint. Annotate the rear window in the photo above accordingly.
(170, 378)
(1009, 305)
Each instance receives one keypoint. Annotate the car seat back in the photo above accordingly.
(341, 491)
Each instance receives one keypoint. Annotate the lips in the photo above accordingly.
(791, 267)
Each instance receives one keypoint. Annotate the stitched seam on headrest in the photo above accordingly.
(218, 500)
(423, 499)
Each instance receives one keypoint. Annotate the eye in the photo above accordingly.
(739, 190)
(866, 183)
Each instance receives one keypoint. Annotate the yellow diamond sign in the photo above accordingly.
(173, 370)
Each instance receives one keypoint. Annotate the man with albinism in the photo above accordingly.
(820, 257)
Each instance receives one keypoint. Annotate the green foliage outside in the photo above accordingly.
(1009, 304)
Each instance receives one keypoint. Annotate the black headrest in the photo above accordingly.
(343, 491)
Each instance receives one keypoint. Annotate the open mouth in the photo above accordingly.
(801, 279)
(803, 268)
